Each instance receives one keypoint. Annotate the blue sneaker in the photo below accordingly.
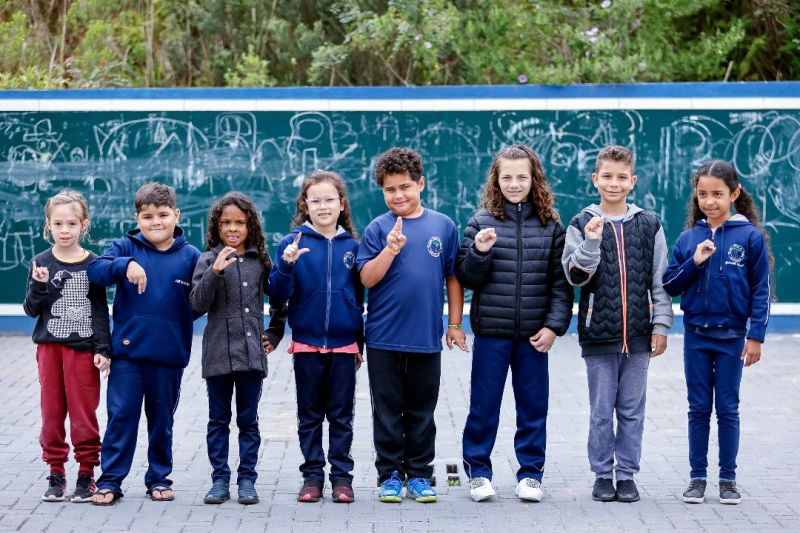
(391, 489)
(218, 493)
(247, 492)
(420, 489)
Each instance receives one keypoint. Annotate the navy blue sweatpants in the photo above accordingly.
(128, 384)
(326, 385)
(220, 393)
(491, 359)
(713, 369)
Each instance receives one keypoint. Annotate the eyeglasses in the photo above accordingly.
(316, 203)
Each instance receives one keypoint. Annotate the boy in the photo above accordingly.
(150, 341)
(617, 253)
(404, 259)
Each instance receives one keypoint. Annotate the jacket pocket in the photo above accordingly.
(345, 314)
(739, 305)
(588, 322)
(309, 315)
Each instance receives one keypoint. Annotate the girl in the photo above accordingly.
(510, 258)
(72, 337)
(229, 283)
(325, 307)
(720, 268)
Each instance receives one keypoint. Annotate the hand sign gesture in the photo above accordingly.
(396, 240)
(40, 274)
(703, 251)
(485, 239)
(136, 275)
(292, 252)
(594, 228)
(224, 259)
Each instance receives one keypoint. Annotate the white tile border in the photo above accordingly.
(466, 104)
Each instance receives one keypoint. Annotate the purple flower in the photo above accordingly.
(417, 37)
(605, 4)
(427, 45)
(592, 39)
(593, 31)
(522, 78)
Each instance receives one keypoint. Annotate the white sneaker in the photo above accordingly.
(529, 489)
(480, 488)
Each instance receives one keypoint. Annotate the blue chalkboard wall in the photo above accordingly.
(108, 154)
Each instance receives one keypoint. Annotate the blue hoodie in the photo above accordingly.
(323, 288)
(156, 326)
(731, 286)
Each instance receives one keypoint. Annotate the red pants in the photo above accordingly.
(70, 385)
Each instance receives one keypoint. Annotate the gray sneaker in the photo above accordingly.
(728, 493)
(696, 493)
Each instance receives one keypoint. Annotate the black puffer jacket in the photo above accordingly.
(519, 286)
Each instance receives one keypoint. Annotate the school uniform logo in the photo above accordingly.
(736, 255)
(435, 246)
(349, 260)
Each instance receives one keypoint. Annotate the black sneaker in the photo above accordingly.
(84, 488)
(728, 493)
(58, 486)
(627, 491)
(696, 492)
(603, 490)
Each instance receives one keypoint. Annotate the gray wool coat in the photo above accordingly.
(234, 301)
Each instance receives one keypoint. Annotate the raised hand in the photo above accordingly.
(703, 251)
(136, 275)
(293, 252)
(224, 259)
(485, 239)
(594, 228)
(396, 240)
(40, 274)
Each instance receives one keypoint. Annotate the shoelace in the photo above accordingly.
(420, 485)
(727, 485)
(696, 484)
(55, 480)
(532, 483)
(477, 482)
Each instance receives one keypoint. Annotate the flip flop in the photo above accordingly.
(104, 492)
(160, 490)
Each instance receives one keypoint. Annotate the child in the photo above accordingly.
(616, 253)
(325, 307)
(150, 341)
(71, 335)
(405, 258)
(510, 257)
(720, 291)
(229, 283)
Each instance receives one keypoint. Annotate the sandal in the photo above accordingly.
(105, 492)
(161, 489)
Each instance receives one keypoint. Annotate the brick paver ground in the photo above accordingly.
(769, 459)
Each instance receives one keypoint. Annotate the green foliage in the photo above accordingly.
(252, 43)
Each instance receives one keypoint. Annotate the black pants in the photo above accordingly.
(326, 385)
(404, 388)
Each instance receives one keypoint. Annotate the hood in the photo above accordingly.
(177, 244)
(595, 210)
(736, 221)
(307, 229)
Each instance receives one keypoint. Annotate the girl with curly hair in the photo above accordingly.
(510, 258)
(229, 283)
(315, 272)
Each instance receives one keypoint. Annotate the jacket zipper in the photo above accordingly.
(519, 271)
(623, 281)
(708, 277)
(588, 322)
(328, 295)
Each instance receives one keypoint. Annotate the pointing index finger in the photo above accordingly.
(297, 239)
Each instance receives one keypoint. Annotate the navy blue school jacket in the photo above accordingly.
(155, 326)
(730, 287)
(323, 288)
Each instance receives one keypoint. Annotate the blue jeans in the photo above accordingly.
(713, 369)
(491, 359)
(128, 383)
(220, 393)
